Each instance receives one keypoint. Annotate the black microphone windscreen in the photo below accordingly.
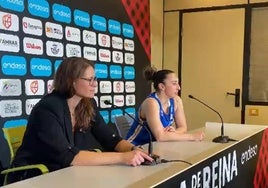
(107, 102)
(191, 96)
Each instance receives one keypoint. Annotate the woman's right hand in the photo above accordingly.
(199, 136)
(135, 157)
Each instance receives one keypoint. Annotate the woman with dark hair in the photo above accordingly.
(65, 127)
(160, 110)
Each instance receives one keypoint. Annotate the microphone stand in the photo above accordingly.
(156, 158)
(221, 138)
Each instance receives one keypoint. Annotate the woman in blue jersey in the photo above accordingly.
(160, 110)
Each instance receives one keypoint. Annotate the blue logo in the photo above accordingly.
(128, 30)
(114, 27)
(39, 8)
(13, 5)
(57, 64)
(61, 13)
(115, 72)
(15, 123)
(40, 67)
(14, 65)
(99, 23)
(131, 111)
(101, 70)
(129, 73)
(105, 115)
(115, 113)
(81, 18)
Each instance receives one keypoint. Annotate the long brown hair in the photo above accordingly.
(69, 70)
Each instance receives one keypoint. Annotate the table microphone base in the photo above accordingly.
(221, 139)
(156, 161)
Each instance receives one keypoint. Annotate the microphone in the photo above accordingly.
(221, 138)
(156, 158)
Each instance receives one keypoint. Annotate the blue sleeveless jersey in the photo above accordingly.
(137, 134)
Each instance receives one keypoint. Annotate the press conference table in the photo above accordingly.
(119, 176)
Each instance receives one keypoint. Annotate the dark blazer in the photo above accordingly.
(49, 138)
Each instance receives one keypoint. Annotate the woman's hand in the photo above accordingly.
(135, 157)
(199, 136)
(169, 129)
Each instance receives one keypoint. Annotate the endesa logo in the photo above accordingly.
(29, 104)
(105, 87)
(119, 100)
(38, 8)
(9, 21)
(118, 86)
(90, 53)
(14, 65)
(101, 70)
(104, 55)
(115, 113)
(32, 26)
(117, 43)
(99, 23)
(81, 18)
(40, 67)
(115, 72)
(118, 57)
(73, 50)
(33, 46)
(114, 27)
(72, 34)
(104, 40)
(105, 115)
(130, 86)
(10, 87)
(9, 43)
(128, 30)
(89, 37)
(129, 73)
(34, 87)
(61, 13)
(130, 100)
(16, 5)
(10, 108)
(54, 49)
(54, 30)
(129, 58)
(129, 45)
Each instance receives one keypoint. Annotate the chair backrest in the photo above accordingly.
(14, 136)
(123, 125)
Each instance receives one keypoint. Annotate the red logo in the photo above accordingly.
(34, 87)
(6, 20)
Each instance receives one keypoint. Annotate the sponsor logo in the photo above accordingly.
(96, 99)
(73, 50)
(118, 57)
(81, 18)
(53, 30)
(102, 99)
(14, 65)
(32, 26)
(101, 70)
(72, 34)
(9, 43)
(57, 64)
(9, 21)
(16, 5)
(115, 113)
(115, 72)
(105, 87)
(130, 100)
(90, 53)
(99, 23)
(118, 87)
(61, 13)
(117, 43)
(49, 86)
(105, 115)
(131, 111)
(104, 55)
(130, 86)
(29, 104)
(114, 27)
(54, 49)
(10, 108)
(34, 87)
(33, 46)
(38, 8)
(128, 30)
(10, 87)
(89, 37)
(104, 40)
(40, 67)
(129, 73)
(129, 58)
(129, 45)
(119, 100)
